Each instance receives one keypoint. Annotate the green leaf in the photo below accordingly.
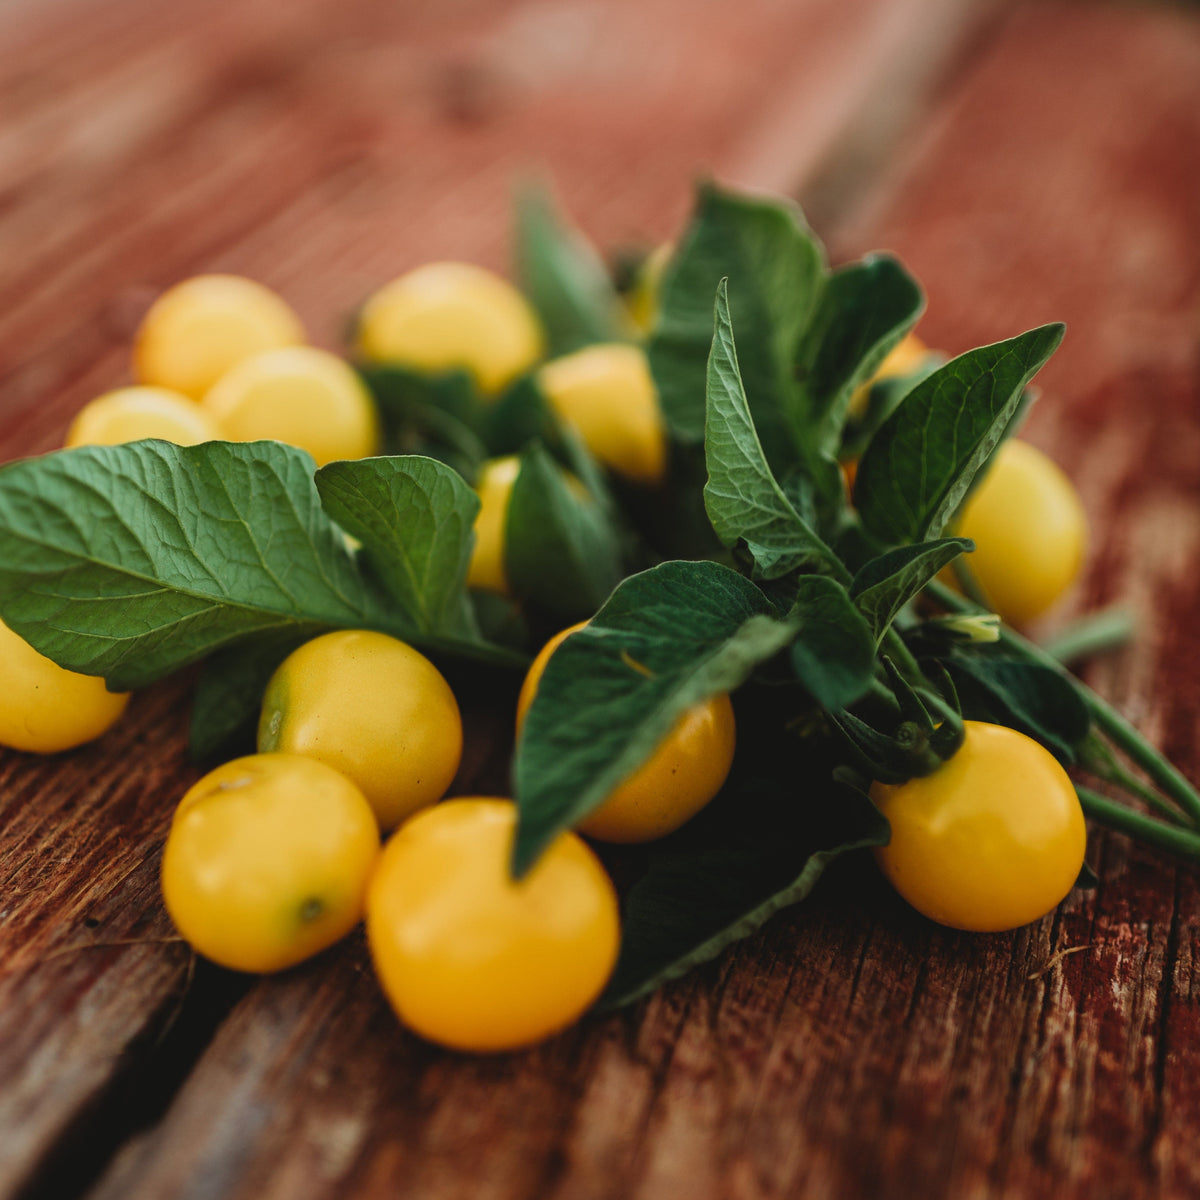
(564, 278)
(721, 878)
(834, 652)
(560, 548)
(865, 309)
(414, 518)
(920, 464)
(887, 583)
(1036, 700)
(132, 561)
(668, 638)
(228, 697)
(883, 399)
(776, 269)
(743, 499)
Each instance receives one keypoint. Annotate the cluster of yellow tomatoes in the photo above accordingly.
(275, 856)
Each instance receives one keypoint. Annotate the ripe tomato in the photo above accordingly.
(471, 958)
(607, 393)
(674, 783)
(495, 484)
(201, 327)
(1029, 529)
(267, 861)
(299, 395)
(374, 709)
(993, 839)
(131, 413)
(643, 300)
(448, 315)
(44, 708)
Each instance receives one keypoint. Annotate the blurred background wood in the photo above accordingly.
(1029, 163)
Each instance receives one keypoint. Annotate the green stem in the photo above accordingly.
(1097, 759)
(902, 656)
(1091, 635)
(1138, 825)
(1107, 719)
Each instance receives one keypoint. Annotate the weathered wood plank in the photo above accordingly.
(852, 1049)
(320, 147)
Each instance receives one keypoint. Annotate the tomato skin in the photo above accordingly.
(372, 708)
(131, 413)
(451, 315)
(45, 708)
(494, 487)
(267, 861)
(468, 957)
(198, 329)
(682, 775)
(645, 297)
(991, 840)
(299, 395)
(1029, 529)
(607, 393)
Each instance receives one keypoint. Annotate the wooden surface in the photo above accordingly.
(1029, 163)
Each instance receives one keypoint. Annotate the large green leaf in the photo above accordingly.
(758, 849)
(920, 463)
(776, 270)
(132, 561)
(666, 640)
(564, 278)
(414, 518)
(883, 586)
(743, 499)
(865, 309)
(560, 547)
(834, 651)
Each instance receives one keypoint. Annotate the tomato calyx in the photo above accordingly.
(929, 732)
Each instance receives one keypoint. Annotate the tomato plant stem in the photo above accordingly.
(1093, 634)
(1147, 829)
(1107, 719)
(902, 657)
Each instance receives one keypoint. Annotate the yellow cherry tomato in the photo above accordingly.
(993, 839)
(682, 775)
(448, 315)
(903, 359)
(494, 487)
(472, 959)
(299, 395)
(374, 709)
(45, 708)
(1029, 529)
(644, 297)
(607, 393)
(267, 861)
(201, 327)
(131, 413)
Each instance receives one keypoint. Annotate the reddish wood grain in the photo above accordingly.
(320, 147)
(850, 1049)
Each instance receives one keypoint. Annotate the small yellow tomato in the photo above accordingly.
(1029, 529)
(299, 395)
(993, 839)
(132, 413)
(903, 359)
(494, 487)
(45, 708)
(201, 327)
(472, 959)
(374, 709)
(644, 297)
(682, 775)
(607, 393)
(448, 315)
(267, 861)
